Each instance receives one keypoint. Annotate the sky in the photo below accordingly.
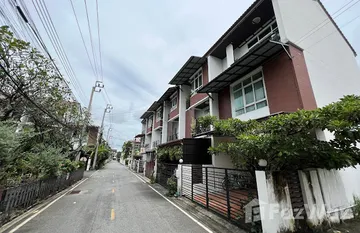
(144, 44)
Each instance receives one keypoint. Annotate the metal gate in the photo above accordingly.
(149, 168)
(164, 172)
(230, 193)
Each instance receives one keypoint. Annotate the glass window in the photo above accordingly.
(249, 94)
(259, 90)
(174, 102)
(239, 100)
(196, 82)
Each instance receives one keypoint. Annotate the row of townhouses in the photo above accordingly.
(271, 60)
(278, 57)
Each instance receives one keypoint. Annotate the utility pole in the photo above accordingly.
(106, 110)
(96, 88)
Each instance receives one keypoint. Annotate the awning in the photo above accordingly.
(250, 61)
(167, 94)
(150, 111)
(139, 135)
(185, 73)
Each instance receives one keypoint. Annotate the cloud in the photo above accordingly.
(144, 44)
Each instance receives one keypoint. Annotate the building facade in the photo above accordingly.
(271, 60)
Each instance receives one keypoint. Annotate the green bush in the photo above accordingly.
(172, 186)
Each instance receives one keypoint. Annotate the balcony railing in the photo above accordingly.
(156, 143)
(173, 137)
(201, 128)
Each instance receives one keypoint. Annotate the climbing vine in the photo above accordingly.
(290, 142)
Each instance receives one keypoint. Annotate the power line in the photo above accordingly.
(82, 38)
(328, 20)
(91, 39)
(50, 30)
(344, 25)
(30, 100)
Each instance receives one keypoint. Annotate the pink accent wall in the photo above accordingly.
(190, 114)
(224, 103)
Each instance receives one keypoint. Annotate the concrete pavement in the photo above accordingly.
(111, 200)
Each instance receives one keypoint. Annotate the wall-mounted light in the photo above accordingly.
(181, 160)
(256, 20)
(262, 163)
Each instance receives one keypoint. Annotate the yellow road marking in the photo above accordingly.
(112, 214)
(113, 190)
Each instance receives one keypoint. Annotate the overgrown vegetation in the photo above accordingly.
(39, 117)
(169, 153)
(289, 141)
(172, 186)
(126, 149)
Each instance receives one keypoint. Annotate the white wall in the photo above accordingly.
(229, 55)
(276, 215)
(184, 94)
(221, 159)
(166, 107)
(327, 195)
(330, 62)
(239, 52)
(215, 67)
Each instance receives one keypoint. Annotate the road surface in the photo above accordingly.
(112, 200)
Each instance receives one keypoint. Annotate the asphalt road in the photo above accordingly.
(112, 200)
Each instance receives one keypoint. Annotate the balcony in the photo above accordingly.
(149, 130)
(173, 137)
(156, 143)
(158, 124)
(200, 128)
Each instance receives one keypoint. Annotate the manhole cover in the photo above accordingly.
(75, 192)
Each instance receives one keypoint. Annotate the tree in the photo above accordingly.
(289, 141)
(34, 77)
(126, 149)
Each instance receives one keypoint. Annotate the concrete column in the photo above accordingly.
(214, 67)
(166, 110)
(229, 55)
(179, 179)
(214, 105)
(184, 94)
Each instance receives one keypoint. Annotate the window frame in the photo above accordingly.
(195, 78)
(173, 98)
(158, 112)
(242, 88)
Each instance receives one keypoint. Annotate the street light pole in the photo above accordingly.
(107, 109)
(99, 85)
(108, 134)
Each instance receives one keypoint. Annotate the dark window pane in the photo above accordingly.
(200, 81)
(237, 87)
(257, 76)
(261, 104)
(239, 112)
(250, 108)
(246, 81)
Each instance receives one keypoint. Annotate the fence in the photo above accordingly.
(230, 193)
(17, 199)
(164, 172)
